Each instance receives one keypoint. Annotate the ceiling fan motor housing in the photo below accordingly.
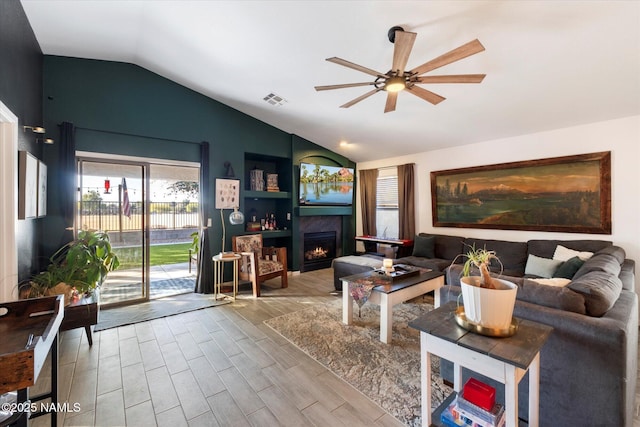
(392, 33)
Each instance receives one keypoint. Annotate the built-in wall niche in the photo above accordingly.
(269, 165)
(263, 204)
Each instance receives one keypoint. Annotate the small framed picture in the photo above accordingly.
(227, 193)
(27, 185)
(42, 189)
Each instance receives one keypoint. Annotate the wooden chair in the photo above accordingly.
(259, 263)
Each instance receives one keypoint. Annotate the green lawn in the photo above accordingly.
(159, 255)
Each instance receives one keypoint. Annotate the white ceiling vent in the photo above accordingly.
(274, 99)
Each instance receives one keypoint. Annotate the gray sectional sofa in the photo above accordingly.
(589, 364)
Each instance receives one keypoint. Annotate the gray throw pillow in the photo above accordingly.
(568, 268)
(424, 247)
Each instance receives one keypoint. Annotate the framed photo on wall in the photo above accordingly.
(27, 185)
(227, 193)
(562, 194)
(42, 189)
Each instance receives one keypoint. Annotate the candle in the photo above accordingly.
(387, 263)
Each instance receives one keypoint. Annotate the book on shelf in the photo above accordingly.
(478, 416)
(475, 412)
(454, 416)
(449, 416)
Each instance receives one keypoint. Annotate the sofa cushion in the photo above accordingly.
(603, 262)
(561, 298)
(546, 248)
(446, 247)
(541, 267)
(569, 268)
(513, 255)
(424, 246)
(599, 289)
(615, 251)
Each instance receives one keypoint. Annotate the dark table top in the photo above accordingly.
(386, 285)
(518, 350)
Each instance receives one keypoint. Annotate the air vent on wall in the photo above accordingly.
(274, 99)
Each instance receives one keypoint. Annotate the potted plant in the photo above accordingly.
(76, 268)
(488, 301)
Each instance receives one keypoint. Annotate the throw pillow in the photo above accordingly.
(558, 282)
(541, 267)
(565, 254)
(568, 268)
(424, 246)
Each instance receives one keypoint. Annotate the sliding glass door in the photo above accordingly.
(112, 198)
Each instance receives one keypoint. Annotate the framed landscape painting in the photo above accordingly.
(561, 194)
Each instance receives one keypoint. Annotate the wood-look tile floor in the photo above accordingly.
(219, 366)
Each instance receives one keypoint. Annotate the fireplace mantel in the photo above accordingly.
(324, 210)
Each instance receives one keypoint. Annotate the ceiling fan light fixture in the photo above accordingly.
(395, 84)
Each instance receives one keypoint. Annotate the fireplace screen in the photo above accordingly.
(319, 250)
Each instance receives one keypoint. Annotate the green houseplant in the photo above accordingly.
(488, 301)
(81, 264)
(480, 259)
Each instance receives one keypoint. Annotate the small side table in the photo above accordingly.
(218, 274)
(506, 360)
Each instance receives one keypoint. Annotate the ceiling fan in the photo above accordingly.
(398, 79)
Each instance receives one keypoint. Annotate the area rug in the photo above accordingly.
(154, 309)
(389, 374)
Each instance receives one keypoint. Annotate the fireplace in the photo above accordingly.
(319, 249)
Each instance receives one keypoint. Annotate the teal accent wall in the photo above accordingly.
(21, 92)
(121, 108)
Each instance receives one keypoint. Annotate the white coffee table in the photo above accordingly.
(386, 296)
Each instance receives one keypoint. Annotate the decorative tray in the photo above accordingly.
(399, 271)
(463, 322)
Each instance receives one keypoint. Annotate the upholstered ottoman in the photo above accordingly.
(349, 265)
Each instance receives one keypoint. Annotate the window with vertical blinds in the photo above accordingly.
(387, 220)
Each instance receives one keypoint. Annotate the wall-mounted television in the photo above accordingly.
(325, 185)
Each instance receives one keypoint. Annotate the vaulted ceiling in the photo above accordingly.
(549, 64)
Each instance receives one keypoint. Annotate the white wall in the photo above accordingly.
(8, 204)
(620, 136)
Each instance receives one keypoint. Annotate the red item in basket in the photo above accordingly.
(479, 393)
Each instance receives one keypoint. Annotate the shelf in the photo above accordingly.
(267, 195)
(435, 416)
(269, 234)
(324, 210)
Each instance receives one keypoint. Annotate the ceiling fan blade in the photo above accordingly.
(392, 98)
(360, 98)
(402, 49)
(353, 66)
(342, 86)
(454, 55)
(454, 78)
(425, 94)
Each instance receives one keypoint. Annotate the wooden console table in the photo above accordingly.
(29, 329)
(371, 244)
(506, 360)
(82, 313)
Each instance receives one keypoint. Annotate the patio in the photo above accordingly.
(165, 280)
